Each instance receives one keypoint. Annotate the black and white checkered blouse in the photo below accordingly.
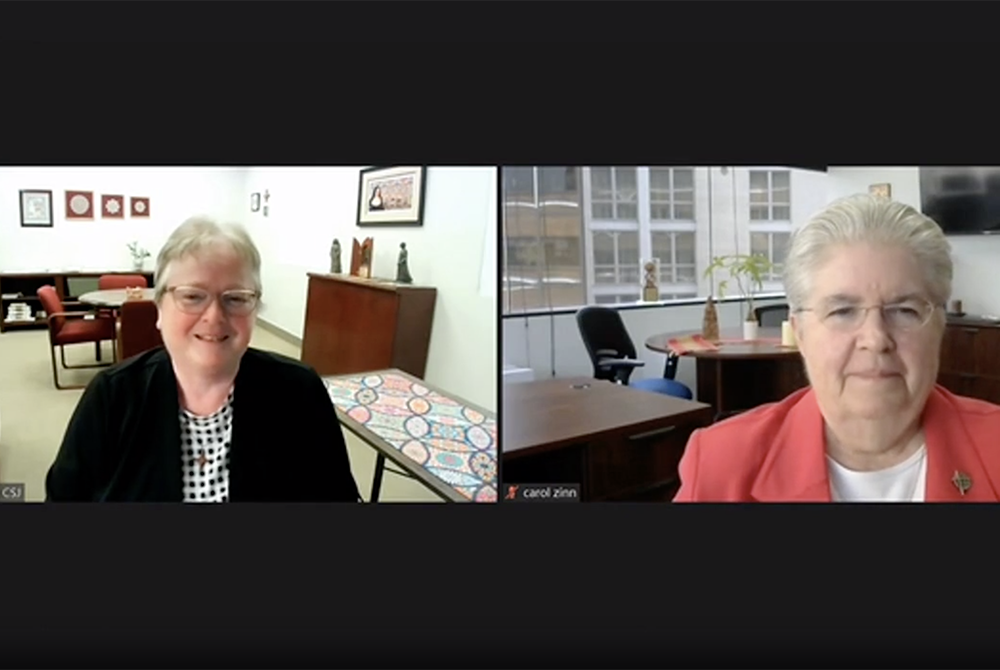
(205, 444)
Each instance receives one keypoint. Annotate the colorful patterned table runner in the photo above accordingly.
(455, 443)
(689, 343)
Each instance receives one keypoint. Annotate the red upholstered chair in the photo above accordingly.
(137, 331)
(107, 282)
(72, 328)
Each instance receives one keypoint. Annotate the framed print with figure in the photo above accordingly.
(36, 208)
(881, 190)
(391, 196)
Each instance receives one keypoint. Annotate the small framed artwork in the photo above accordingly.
(79, 205)
(36, 208)
(881, 190)
(112, 206)
(139, 208)
(392, 196)
(254, 202)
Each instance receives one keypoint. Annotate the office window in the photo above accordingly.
(614, 193)
(770, 195)
(773, 245)
(543, 266)
(578, 235)
(616, 257)
(671, 194)
(677, 259)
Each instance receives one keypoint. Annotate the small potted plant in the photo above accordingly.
(749, 271)
(139, 255)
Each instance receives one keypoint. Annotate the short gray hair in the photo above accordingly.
(199, 234)
(868, 219)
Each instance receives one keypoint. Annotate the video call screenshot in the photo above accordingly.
(499, 334)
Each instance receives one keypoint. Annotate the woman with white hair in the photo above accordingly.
(866, 279)
(205, 418)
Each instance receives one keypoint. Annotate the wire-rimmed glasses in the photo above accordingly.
(904, 316)
(194, 300)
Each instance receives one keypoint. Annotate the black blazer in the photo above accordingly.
(123, 442)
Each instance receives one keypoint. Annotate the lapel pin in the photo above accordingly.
(962, 482)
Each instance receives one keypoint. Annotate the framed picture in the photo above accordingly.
(36, 208)
(254, 202)
(80, 205)
(881, 190)
(392, 196)
(112, 206)
(139, 207)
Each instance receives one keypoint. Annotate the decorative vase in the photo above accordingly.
(749, 330)
(137, 264)
(710, 322)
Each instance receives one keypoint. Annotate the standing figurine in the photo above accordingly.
(335, 258)
(650, 291)
(402, 269)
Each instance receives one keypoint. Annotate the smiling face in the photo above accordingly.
(213, 342)
(875, 371)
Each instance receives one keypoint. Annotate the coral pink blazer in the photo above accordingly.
(776, 453)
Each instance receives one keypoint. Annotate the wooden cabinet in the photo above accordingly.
(22, 287)
(970, 358)
(359, 325)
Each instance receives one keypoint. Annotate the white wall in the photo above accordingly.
(975, 256)
(175, 194)
(309, 207)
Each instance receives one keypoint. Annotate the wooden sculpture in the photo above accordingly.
(361, 258)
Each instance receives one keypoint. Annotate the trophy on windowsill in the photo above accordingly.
(650, 287)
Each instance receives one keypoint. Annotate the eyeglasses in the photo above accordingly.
(193, 300)
(905, 316)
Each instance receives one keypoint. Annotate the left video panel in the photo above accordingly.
(248, 334)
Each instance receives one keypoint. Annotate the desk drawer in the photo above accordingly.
(638, 466)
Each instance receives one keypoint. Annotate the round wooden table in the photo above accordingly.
(741, 374)
(114, 297)
(731, 345)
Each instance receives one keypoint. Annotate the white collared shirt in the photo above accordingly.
(904, 482)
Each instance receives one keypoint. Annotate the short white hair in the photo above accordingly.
(868, 219)
(201, 233)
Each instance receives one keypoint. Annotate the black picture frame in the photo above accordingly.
(378, 177)
(254, 202)
(36, 208)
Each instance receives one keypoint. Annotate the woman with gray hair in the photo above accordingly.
(205, 418)
(867, 279)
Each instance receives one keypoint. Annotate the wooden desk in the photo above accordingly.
(356, 325)
(742, 375)
(446, 443)
(617, 442)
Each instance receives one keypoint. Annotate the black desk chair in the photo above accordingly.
(771, 316)
(613, 354)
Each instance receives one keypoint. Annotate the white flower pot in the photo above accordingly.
(749, 330)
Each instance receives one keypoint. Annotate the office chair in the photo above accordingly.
(613, 355)
(771, 316)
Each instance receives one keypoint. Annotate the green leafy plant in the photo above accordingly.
(748, 270)
(138, 253)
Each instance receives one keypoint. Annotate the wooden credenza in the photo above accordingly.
(358, 325)
(970, 358)
(616, 443)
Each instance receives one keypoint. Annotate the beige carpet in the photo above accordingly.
(34, 414)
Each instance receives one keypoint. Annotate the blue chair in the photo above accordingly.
(613, 355)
